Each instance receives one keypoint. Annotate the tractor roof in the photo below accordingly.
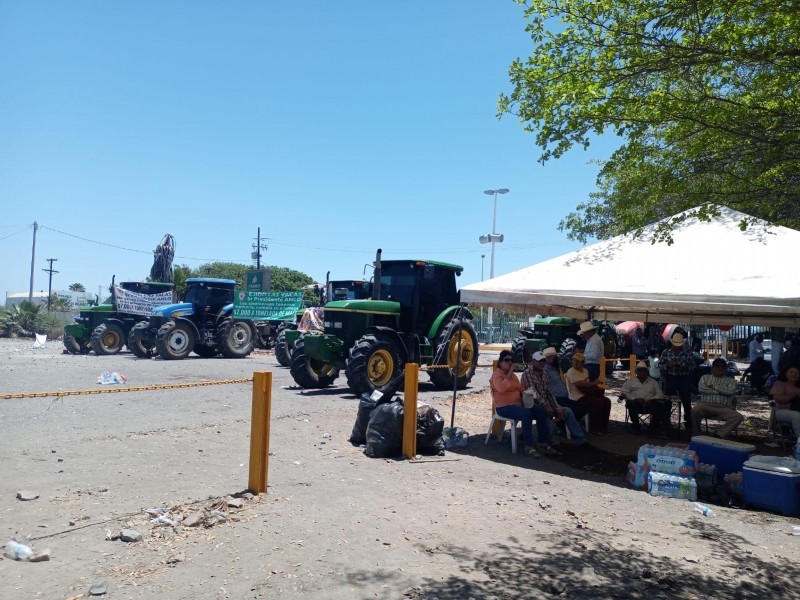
(211, 280)
(457, 268)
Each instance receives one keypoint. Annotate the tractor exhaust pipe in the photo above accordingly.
(376, 282)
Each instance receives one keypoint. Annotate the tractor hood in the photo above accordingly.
(182, 309)
(364, 306)
(102, 308)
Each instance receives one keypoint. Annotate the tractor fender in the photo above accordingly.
(193, 327)
(391, 333)
(117, 322)
(445, 317)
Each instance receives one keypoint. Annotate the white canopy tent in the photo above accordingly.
(713, 273)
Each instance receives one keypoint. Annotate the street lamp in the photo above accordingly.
(492, 237)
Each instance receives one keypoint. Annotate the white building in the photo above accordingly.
(76, 299)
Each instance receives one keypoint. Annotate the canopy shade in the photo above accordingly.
(713, 273)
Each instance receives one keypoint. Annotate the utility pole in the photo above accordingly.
(50, 284)
(33, 257)
(257, 248)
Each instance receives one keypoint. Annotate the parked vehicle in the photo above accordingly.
(105, 327)
(558, 332)
(413, 316)
(203, 323)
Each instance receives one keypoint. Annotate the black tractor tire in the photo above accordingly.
(568, 348)
(310, 373)
(175, 340)
(205, 351)
(518, 350)
(374, 361)
(108, 338)
(139, 348)
(446, 352)
(71, 344)
(235, 338)
(282, 353)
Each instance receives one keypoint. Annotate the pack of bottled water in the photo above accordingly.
(672, 486)
(668, 459)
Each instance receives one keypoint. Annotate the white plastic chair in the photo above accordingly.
(503, 420)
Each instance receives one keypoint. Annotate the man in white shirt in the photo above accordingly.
(643, 395)
(755, 348)
(594, 350)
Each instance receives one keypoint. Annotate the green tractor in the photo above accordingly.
(413, 316)
(105, 327)
(558, 332)
(307, 320)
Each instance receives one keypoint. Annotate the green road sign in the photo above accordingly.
(266, 306)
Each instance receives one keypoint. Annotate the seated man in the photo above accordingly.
(757, 374)
(589, 394)
(643, 395)
(535, 378)
(557, 386)
(717, 390)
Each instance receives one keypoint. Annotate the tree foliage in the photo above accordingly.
(23, 319)
(702, 93)
(77, 287)
(283, 278)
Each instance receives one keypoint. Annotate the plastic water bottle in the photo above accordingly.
(16, 551)
(703, 510)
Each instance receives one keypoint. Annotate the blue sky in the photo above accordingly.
(335, 127)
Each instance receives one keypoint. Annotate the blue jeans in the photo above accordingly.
(526, 417)
(572, 424)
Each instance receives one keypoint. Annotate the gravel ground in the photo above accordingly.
(478, 522)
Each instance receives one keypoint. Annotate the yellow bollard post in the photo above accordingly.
(633, 365)
(410, 411)
(259, 432)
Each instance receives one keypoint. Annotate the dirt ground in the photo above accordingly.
(478, 522)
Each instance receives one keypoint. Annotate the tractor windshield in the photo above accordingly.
(399, 288)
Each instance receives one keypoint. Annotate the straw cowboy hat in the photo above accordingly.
(586, 326)
(642, 365)
(550, 352)
(677, 339)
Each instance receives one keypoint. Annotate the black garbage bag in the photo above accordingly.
(430, 426)
(367, 404)
(385, 431)
(365, 408)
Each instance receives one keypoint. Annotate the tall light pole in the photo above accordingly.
(493, 237)
(482, 257)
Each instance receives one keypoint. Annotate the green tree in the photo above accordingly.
(58, 304)
(703, 94)
(21, 319)
(283, 278)
(77, 287)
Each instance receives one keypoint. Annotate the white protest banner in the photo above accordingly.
(139, 304)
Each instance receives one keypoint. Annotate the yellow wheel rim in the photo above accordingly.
(380, 367)
(467, 353)
(110, 339)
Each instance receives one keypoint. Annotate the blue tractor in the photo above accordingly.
(203, 323)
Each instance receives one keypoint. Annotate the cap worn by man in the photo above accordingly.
(579, 356)
(586, 326)
(537, 356)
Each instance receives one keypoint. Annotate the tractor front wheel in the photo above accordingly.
(108, 338)
(175, 340)
(282, 353)
(311, 373)
(449, 352)
(140, 347)
(235, 339)
(374, 361)
(71, 344)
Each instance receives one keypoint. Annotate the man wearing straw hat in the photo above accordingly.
(642, 395)
(594, 350)
(676, 365)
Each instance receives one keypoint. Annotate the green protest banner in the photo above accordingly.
(266, 306)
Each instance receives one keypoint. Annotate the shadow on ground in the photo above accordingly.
(585, 564)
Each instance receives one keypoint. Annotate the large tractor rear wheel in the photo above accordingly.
(447, 350)
(108, 338)
(374, 361)
(139, 347)
(235, 339)
(310, 373)
(282, 353)
(518, 350)
(175, 340)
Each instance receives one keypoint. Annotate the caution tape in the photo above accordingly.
(141, 388)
